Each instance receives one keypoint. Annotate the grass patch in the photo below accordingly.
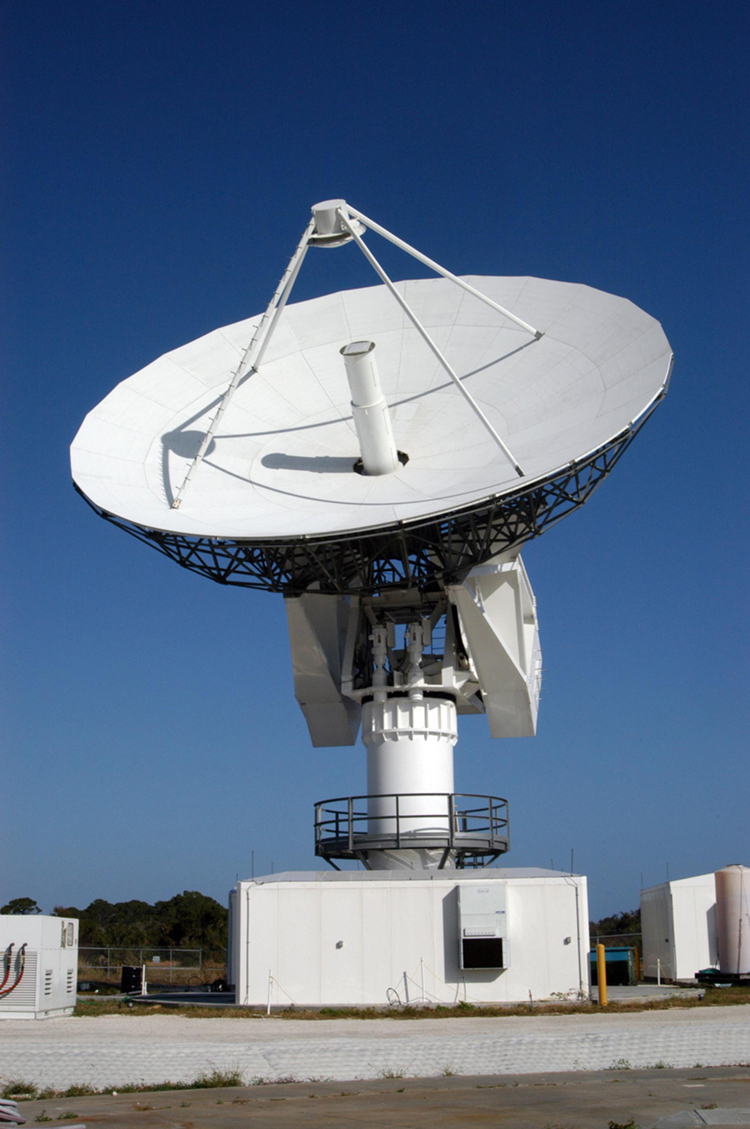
(26, 1091)
(18, 1088)
(712, 997)
(81, 1090)
(217, 1078)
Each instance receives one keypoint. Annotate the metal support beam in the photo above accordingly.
(428, 340)
(253, 354)
(442, 271)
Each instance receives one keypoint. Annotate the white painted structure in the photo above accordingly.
(490, 662)
(40, 957)
(389, 505)
(487, 659)
(365, 939)
(369, 409)
(278, 464)
(678, 923)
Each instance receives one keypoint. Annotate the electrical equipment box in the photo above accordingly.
(38, 966)
(482, 926)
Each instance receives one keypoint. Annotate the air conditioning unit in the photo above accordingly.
(483, 935)
(38, 966)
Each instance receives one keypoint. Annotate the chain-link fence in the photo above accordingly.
(169, 966)
(631, 940)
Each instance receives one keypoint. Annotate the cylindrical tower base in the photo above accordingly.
(410, 859)
(409, 744)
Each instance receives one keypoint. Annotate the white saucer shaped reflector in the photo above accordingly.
(281, 465)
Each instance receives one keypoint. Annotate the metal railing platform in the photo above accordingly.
(470, 829)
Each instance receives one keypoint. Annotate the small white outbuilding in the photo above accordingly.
(678, 923)
(38, 966)
(370, 938)
(698, 923)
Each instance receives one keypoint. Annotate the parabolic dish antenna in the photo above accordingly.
(239, 454)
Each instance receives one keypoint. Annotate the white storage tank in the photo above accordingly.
(38, 966)
(733, 919)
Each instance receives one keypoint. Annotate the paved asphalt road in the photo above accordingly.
(529, 1101)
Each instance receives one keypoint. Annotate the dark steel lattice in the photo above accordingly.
(422, 554)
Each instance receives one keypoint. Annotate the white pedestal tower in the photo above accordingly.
(404, 665)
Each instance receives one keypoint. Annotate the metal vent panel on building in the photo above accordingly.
(25, 994)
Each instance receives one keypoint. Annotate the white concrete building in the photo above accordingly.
(678, 923)
(369, 938)
(38, 966)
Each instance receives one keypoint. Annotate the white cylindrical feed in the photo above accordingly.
(369, 409)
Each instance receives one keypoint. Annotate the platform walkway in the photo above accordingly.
(117, 1050)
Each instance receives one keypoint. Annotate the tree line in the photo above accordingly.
(190, 920)
(617, 925)
(194, 921)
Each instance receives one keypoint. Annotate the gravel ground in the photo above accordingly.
(117, 1050)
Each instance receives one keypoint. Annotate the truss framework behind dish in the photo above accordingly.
(424, 554)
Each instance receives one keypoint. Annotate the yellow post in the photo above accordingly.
(601, 974)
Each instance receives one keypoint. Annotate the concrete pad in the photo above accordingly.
(618, 993)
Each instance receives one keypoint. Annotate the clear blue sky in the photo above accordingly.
(162, 161)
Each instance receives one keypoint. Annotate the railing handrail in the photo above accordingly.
(390, 795)
(476, 830)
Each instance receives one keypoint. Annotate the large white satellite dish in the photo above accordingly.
(280, 464)
(379, 456)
